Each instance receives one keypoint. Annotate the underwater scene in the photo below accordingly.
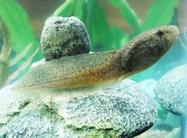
(93, 69)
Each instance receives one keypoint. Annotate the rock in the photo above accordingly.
(62, 36)
(161, 133)
(120, 111)
(31, 124)
(171, 90)
(126, 113)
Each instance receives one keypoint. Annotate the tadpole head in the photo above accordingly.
(148, 47)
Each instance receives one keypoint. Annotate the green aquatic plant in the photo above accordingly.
(24, 47)
(94, 16)
(4, 52)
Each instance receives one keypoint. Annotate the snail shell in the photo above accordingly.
(62, 36)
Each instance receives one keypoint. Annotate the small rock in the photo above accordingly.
(171, 90)
(62, 36)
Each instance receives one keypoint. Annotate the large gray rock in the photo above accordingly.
(120, 111)
(171, 90)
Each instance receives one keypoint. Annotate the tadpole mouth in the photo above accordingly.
(175, 31)
(172, 33)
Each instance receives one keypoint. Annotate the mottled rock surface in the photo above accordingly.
(119, 111)
(63, 36)
(171, 90)
(126, 112)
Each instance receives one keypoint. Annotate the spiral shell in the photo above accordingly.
(62, 36)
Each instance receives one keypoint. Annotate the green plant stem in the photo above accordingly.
(65, 9)
(128, 14)
(5, 52)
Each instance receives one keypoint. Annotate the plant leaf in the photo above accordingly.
(66, 9)
(98, 27)
(21, 33)
(18, 25)
(160, 13)
(4, 53)
(127, 13)
(120, 38)
(22, 69)
(78, 11)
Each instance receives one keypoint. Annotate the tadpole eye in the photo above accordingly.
(160, 33)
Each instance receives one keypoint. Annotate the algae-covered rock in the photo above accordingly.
(31, 124)
(35, 120)
(171, 90)
(127, 111)
(62, 36)
(119, 111)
